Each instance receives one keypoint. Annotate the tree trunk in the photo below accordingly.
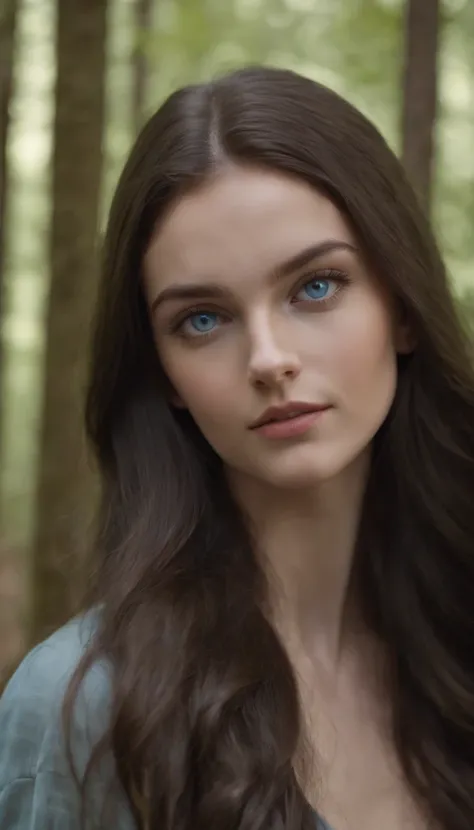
(8, 14)
(141, 69)
(420, 85)
(64, 478)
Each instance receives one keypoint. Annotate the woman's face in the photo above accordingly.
(259, 298)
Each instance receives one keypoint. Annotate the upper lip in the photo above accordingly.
(279, 413)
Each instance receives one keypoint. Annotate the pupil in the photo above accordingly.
(318, 287)
(203, 321)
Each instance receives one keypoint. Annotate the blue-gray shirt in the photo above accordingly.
(37, 788)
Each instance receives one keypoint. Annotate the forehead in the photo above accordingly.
(249, 218)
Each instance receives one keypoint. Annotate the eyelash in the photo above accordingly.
(339, 277)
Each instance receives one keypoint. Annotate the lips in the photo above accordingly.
(286, 412)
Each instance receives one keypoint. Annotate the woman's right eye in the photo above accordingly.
(199, 323)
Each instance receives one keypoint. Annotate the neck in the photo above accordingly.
(306, 540)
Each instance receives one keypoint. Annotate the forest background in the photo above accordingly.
(77, 79)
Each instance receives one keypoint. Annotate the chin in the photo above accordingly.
(313, 466)
(305, 467)
(300, 480)
(301, 476)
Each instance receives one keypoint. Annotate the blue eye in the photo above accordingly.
(202, 322)
(317, 289)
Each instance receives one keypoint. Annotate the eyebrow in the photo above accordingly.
(209, 290)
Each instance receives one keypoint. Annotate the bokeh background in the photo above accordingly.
(77, 79)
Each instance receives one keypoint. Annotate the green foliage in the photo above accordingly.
(355, 46)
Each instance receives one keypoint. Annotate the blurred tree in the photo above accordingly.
(8, 14)
(420, 93)
(141, 69)
(64, 480)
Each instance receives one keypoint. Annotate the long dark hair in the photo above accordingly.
(205, 716)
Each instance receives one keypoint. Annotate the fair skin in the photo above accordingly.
(259, 295)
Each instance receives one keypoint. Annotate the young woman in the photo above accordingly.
(282, 407)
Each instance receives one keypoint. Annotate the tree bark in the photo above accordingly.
(8, 15)
(64, 478)
(420, 94)
(143, 18)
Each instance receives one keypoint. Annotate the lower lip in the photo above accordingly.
(291, 426)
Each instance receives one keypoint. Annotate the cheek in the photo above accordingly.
(202, 382)
(364, 360)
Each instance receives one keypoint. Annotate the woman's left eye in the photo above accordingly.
(318, 288)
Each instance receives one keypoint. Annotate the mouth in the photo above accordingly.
(287, 413)
(294, 424)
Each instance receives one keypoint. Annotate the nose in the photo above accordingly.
(271, 361)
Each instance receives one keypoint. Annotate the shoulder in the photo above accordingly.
(54, 660)
(37, 785)
(32, 703)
